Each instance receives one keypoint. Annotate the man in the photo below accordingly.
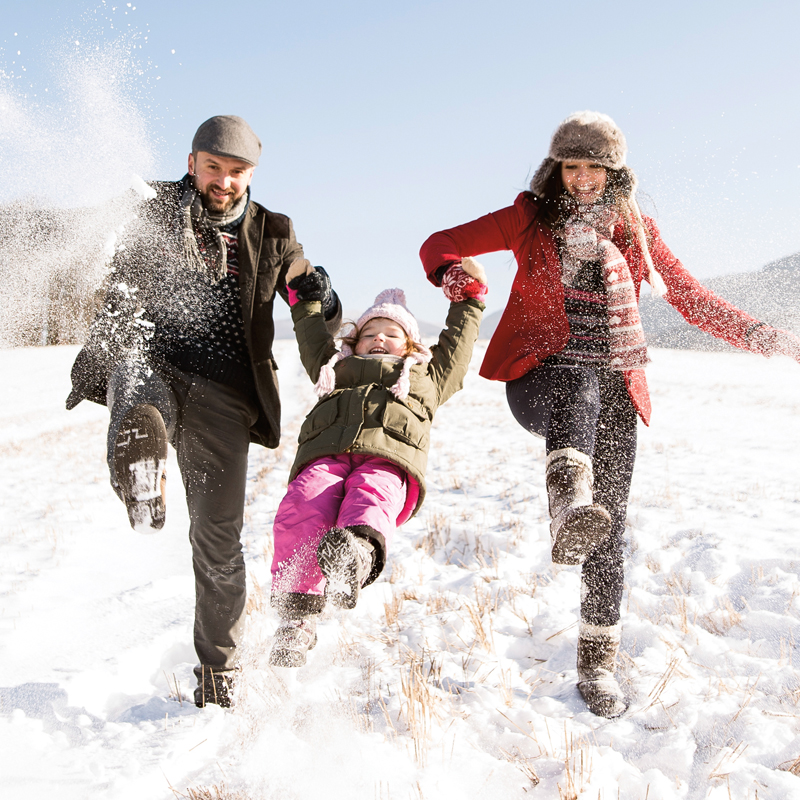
(182, 352)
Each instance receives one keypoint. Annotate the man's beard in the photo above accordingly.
(216, 206)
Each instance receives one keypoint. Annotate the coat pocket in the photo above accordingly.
(267, 278)
(322, 416)
(407, 422)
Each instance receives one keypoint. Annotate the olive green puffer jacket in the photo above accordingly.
(361, 415)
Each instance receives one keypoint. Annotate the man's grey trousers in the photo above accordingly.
(209, 424)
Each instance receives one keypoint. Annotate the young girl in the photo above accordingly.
(360, 467)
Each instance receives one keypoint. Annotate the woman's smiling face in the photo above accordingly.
(584, 180)
(381, 336)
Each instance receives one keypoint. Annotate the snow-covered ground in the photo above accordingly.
(455, 676)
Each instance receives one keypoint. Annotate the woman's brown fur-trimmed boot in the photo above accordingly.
(578, 523)
(597, 652)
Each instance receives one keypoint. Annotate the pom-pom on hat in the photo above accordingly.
(583, 136)
(389, 304)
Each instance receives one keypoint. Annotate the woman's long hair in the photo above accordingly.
(556, 205)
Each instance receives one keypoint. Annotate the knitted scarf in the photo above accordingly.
(194, 221)
(587, 237)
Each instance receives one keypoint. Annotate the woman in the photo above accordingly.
(572, 352)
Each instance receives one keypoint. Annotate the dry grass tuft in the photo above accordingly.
(679, 589)
(417, 708)
(437, 534)
(393, 608)
(721, 619)
(723, 768)
(438, 603)
(476, 618)
(669, 673)
(215, 792)
(523, 764)
(257, 600)
(577, 767)
(398, 572)
(175, 689)
(791, 766)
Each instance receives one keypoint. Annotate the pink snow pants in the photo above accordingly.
(335, 492)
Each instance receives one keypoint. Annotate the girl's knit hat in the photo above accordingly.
(389, 304)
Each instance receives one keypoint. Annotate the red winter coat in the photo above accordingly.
(534, 324)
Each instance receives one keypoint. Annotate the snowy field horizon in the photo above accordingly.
(455, 676)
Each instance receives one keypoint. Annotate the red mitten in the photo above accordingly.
(459, 283)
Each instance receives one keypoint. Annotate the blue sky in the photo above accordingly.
(382, 122)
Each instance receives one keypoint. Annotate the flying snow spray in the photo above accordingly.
(71, 151)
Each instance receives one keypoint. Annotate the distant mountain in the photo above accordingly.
(489, 323)
(771, 294)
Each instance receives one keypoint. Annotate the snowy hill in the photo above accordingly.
(455, 676)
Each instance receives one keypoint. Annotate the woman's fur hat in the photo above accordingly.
(583, 136)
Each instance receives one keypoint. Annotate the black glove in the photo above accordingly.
(315, 285)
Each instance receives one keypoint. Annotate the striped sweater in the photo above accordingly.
(586, 306)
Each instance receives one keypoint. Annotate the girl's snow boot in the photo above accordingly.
(293, 639)
(597, 652)
(346, 561)
(578, 523)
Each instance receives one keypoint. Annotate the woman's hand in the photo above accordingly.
(769, 341)
(465, 280)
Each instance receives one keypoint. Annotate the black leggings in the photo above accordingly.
(590, 410)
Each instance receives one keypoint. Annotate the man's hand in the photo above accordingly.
(310, 286)
(298, 267)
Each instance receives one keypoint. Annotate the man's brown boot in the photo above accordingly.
(140, 458)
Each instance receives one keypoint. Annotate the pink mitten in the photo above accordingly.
(466, 280)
